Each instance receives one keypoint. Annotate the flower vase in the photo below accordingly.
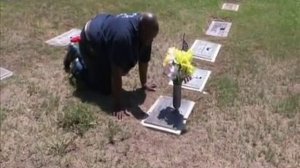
(177, 96)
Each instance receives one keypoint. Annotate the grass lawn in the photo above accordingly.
(249, 118)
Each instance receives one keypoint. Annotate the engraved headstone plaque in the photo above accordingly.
(4, 73)
(219, 29)
(63, 39)
(230, 6)
(198, 81)
(164, 117)
(205, 50)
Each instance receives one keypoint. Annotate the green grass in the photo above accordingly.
(60, 146)
(289, 107)
(227, 91)
(260, 26)
(77, 118)
(112, 131)
(2, 115)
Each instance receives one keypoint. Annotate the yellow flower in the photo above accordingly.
(183, 59)
(188, 69)
(170, 56)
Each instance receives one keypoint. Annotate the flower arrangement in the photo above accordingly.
(178, 64)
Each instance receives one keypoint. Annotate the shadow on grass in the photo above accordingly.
(131, 99)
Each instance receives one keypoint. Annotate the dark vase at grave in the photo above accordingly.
(177, 96)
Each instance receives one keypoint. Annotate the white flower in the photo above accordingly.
(173, 72)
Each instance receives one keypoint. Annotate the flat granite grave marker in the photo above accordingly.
(219, 29)
(163, 117)
(205, 50)
(63, 39)
(4, 73)
(230, 6)
(198, 81)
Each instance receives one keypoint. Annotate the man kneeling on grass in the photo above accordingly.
(111, 45)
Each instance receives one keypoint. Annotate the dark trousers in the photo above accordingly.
(98, 76)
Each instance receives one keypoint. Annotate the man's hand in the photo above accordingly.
(151, 87)
(120, 113)
(143, 69)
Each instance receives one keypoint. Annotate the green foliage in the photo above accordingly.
(60, 146)
(2, 115)
(111, 132)
(290, 106)
(277, 33)
(50, 104)
(77, 119)
(227, 91)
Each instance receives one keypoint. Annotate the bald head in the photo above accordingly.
(148, 28)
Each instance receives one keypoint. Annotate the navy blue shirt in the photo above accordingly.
(117, 38)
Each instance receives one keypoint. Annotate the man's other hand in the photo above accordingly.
(120, 114)
(151, 87)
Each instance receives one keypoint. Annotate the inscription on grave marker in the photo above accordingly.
(205, 50)
(219, 29)
(198, 81)
(230, 6)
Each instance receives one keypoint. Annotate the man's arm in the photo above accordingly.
(116, 82)
(143, 70)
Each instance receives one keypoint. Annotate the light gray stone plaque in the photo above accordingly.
(162, 115)
(63, 39)
(198, 82)
(230, 6)
(219, 29)
(205, 50)
(4, 73)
